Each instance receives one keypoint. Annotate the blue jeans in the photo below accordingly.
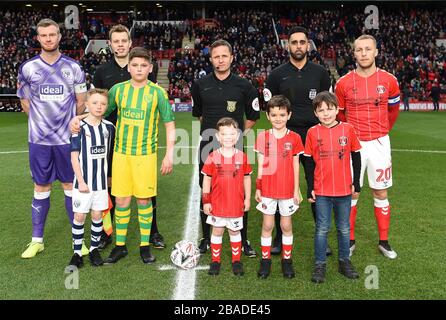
(341, 207)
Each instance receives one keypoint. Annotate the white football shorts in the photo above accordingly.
(269, 206)
(377, 160)
(94, 200)
(234, 224)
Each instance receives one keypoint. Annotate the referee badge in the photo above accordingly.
(343, 141)
(312, 94)
(231, 106)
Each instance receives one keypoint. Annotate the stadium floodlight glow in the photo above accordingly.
(28, 5)
(55, 5)
(89, 9)
(80, 3)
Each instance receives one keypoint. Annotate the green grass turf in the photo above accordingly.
(417, 233)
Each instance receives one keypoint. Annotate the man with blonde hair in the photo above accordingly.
(52, 89)
(369, 99)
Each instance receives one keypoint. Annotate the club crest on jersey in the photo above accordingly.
(312, 94)
(288, 146)
(66, 73)
(343, 141)
(380, 89)
(231, 106)
(106, 134)
(148, 98)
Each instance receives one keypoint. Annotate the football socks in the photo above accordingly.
(145, 217)
(122, 218)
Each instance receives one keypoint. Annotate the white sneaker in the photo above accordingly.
(352, 248)
(387, 253)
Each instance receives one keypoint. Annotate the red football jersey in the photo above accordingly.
(278, 169)
(330, 149)
(227, 189)
(366, 101)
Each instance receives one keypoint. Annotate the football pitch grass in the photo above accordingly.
(417, 233)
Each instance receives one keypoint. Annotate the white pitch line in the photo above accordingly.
(166, 267)
(418, 151)
(185, 279)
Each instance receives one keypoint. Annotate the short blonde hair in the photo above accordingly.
(46, 23)
(365, 37)
(102, 92)
(118, 28)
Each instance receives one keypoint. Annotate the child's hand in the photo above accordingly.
(297, 198)
(246, 205)
(83, 187)
(258, 195)
(313, 197)
(207, 208)
(166, 166)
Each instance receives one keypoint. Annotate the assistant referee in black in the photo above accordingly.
(105, 77)
(222, 94)
(300, 80)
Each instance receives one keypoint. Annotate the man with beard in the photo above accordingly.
(105, 77)
(52, 90)
(300, 80)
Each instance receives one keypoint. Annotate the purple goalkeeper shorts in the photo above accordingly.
(50, 163)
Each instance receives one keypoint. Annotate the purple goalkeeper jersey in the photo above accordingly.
(51, 91)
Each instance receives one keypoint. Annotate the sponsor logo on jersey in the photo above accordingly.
(231, 106)
(343, 141)
(312, 94)
(133, 114)
(51, 92)
(97, 152)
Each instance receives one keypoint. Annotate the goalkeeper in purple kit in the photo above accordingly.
(52, 90)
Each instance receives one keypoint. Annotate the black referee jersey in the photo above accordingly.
(233, 97)
(300, 86)
(111, 73)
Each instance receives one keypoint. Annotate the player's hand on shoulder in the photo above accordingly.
(75, 125)
(313, 197)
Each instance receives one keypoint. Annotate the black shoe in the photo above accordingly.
(76, 261)
(248, 250)
(205, 245)
(237, 268)
(287, 268)
(346, 269)
(276, 249)
(95, 258)
(146, 255)
(214, 268)
(319, 273)
(157, 241)
(328, 251)
(116, 254)
(265, 268)
(105, 241)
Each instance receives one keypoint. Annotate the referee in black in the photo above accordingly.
(222, 94)
(300, 80)
(105, 77)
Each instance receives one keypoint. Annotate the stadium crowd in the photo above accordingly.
(406, 42)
